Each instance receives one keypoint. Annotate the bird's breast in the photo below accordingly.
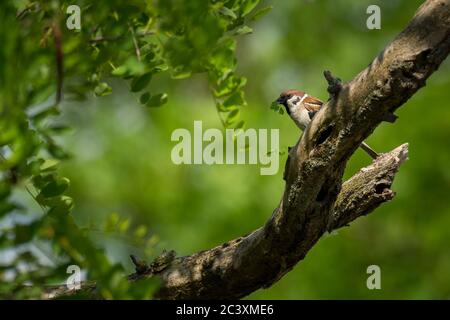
(301, 118)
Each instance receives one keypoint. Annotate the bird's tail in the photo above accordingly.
(369, 150)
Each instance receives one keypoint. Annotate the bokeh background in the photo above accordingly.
(121, 160)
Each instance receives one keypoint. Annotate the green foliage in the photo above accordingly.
(43, 62)
(277, 107)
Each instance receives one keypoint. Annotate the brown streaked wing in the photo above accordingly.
(312, 103)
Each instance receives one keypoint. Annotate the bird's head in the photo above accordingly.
(290, 99)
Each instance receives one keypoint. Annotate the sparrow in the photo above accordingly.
(302, 107)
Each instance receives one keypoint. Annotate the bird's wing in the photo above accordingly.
(313, 105)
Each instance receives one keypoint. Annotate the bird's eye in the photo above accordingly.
(289, 96)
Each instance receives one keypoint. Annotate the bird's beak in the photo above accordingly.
(281, 100)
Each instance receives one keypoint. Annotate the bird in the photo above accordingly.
(302, 107)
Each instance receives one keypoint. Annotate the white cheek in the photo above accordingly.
(292, 105)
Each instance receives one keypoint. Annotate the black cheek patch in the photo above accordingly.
(287, 108)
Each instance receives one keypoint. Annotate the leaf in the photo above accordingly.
(229, 84)
(120, 71)
(55, 188)
(5, 191)
(157, 100)
(223, 57)
(275, 106)
(6, 207)
(140, 232)
(223, 108)
(261, 12)
(228, 12)
(58, 152)
(232, 116)
(243, 30)
(59, 129)
(248, 6)
(144, 97)
(25, 232)
(49, 165)
(34, 167)
(131, 67)
(64, 206)
(139, 83)
(44, 113)
(39, 181)
(124, 225)
(111, 222)
(180, 72)
(102, 89)
(160, 68)
(236, 99)
(240, 125)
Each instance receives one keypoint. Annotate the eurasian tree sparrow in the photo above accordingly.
(302, 107)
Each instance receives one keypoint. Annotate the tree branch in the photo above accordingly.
(314, 199)
(367, 189)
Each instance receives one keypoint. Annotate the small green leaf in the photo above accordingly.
(6, 207)
(232, 116)
(248, 6)
(261, 12)
(120, 71)
(157, 100)
(243, 30)
(132, 67)
(181, 72)
(124, 225)
(58, 129)
(63, 207)
(139, 83)
(49, 165)
(236, 99)
(55, 188)
(275, 106)
(102, 89)
(5, 191)
(34, 167)
(111, 222)
(240, 125)
(58, 152)
(144, 97)
(222, 108)
(160, 68)
(140, 232)
(229, 84)
(39, 181)
(227, 12)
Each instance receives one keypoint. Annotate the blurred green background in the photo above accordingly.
(122, 162)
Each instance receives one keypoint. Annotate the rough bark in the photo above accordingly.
(314, 199)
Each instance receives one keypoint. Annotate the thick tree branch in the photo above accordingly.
(360, 195)
(314, 199)
(367, 189)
